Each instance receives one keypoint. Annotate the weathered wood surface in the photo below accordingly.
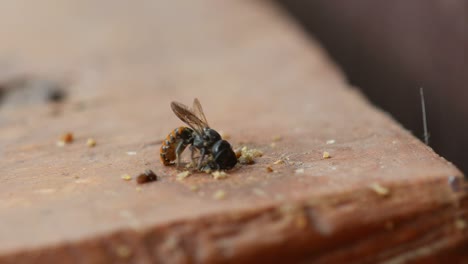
(258, 77)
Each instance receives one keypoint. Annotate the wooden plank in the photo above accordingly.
(258, 78)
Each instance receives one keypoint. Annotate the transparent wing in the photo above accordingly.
(188, 117)
(198, 111)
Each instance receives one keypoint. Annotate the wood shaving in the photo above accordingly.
(91, 143)
(206, 170)
(330, 141)
(219, 175)
(326, 155)
(300, 171)
(194, 188)
(379, 189)
(280, 161)
(126, 177)
(219, 195)
(181, 176)
(248, 155)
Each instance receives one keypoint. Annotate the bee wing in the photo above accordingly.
(188, 117)
(198, 111)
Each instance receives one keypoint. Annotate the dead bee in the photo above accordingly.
(200, 137)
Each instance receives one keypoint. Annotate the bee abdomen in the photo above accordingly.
(168, 148)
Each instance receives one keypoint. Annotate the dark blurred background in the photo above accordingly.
(392, 48)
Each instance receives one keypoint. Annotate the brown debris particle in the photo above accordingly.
(379, 189)
(248, 155)
(91, 143)
(147, 176)
(66, 138)
(269, 169)
(326, 155)
(219, 175)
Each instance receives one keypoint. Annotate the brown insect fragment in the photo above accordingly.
(147, 176)
(66, 138)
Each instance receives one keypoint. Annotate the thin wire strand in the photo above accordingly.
(423, 106)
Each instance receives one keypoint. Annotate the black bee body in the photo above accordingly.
(211, 143)
(200, 136)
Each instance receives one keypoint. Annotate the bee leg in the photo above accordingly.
(179, 149)
(192, 155)
(202, 157)
(215, 166)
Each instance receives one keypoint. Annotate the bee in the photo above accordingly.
(200, 137)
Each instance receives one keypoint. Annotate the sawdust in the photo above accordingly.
(219, 175)
(126, 177)
(181, 176)
(247, 156)
(379, 189)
